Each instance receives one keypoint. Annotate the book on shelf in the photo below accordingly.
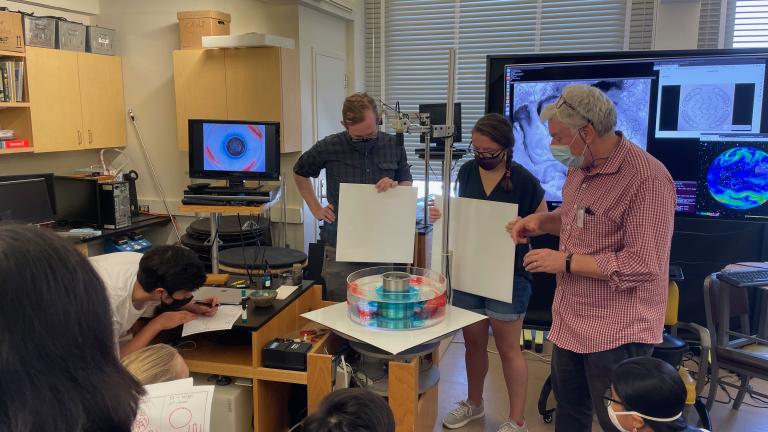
(19, 80)
(11, 81)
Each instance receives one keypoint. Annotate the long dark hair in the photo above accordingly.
(351, 410)
(651, 387)
(59, 368)
(499, 130)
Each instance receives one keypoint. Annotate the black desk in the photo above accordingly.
(138, 222)
(258, 316)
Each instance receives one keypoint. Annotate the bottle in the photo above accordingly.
(267, 278)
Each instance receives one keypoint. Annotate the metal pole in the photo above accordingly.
(446, 259)
(427, 137)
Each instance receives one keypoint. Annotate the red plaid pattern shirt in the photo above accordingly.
(629, 206)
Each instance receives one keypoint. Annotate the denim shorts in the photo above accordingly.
(496, 309)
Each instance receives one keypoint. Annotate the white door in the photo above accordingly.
(329, 83)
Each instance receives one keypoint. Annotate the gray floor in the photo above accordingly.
(453, 388)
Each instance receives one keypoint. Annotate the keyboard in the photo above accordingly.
(250, 198)
(209, 202)
(744, 278)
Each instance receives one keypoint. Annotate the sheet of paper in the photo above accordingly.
(223, 320)
(393, 341)
(284, 291)
(225, 295)
(376, 227)
(175, 406)
(483, 260)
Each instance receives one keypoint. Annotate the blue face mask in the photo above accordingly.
(563, 154)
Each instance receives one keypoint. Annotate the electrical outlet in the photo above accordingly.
(144, 208)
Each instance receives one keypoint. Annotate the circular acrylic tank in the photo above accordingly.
(396, 297)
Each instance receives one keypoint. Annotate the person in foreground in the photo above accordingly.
(351, 410)
(58, 369)
(493, 176)
(647, 395)
(612, 267)
(164, 276)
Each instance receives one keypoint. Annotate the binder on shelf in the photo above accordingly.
(19, 80)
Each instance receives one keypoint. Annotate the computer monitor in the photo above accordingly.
(234, 150)
(25, 201)
(437, 116)
(48, 177)
(77, 201)
(702, 113)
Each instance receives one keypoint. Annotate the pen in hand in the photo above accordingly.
(211, 305)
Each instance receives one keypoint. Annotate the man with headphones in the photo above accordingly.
(361, 154)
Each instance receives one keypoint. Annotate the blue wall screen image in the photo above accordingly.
(234, 147)
(738, 178)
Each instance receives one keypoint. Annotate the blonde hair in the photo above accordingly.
(581, 104)
(153, 364)
(355, 106)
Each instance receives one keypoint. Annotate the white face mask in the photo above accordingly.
(615, 420)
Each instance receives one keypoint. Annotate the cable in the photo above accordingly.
(242, 249)
(154, 174)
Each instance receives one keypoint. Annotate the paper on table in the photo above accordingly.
(284, 291)
(174, 406)
(376, 227)
(336, 318)
(223, 320)
(483, 260)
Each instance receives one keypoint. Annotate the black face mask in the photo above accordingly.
(489, 164)
(176, 304)
(363, 140)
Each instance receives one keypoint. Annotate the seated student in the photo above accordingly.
(155, 364)
(166, 275)
(647, 395)
(351, 410)
(58, 370)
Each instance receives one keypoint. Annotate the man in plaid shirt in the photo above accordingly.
(360, 154)
(615, 228)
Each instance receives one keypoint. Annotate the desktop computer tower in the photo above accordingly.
(114, 205)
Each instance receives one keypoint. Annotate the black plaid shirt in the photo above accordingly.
(347, 161)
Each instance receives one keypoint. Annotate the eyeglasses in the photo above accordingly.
(483, 154)
(562, 102)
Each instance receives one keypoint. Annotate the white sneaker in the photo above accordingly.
(511, 426)
(463, 414)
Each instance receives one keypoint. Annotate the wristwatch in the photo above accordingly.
(568, 262)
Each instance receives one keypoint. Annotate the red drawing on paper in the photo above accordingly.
(141, 424)
(180, 418)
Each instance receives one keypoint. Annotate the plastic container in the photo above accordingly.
(396, 298)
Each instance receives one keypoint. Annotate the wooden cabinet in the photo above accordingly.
(101, 96)
(252, 84)
(76, 100)
(201, 91)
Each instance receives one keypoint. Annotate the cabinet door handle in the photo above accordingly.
(79, 137)
(90, 137)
